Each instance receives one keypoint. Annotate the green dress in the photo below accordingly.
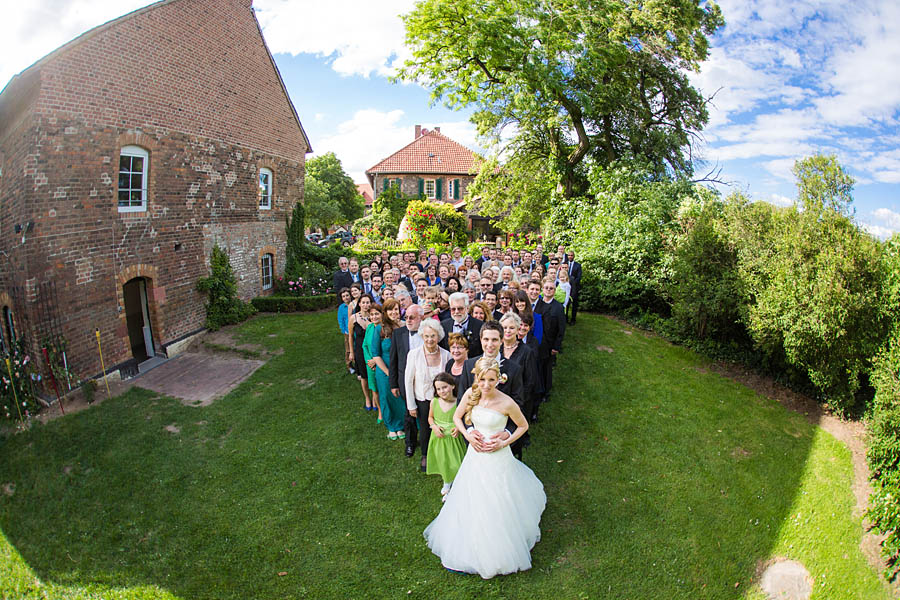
(373, 333)
(445, 454)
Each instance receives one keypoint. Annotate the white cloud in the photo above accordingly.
(781, 168)
(372, 135)
(33, 29)
(882, 223)
(361, 38)
(779, 200)
(863, 77)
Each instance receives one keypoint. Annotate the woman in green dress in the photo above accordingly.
(392, 407)
(373, 333)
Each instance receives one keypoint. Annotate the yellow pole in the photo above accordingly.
(102, 366)
(12, 383)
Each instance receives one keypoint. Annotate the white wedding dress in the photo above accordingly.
(492, 515)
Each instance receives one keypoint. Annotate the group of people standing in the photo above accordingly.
(429, 350)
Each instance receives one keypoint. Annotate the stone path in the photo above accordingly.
(198, 379)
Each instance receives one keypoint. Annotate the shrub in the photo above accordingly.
(704, 287)
(424, 219)
(281, 304)
(16, 389)
(223, 306)
(884, 431)
(310, 279)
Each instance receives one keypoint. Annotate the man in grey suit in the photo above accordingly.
(404, 339)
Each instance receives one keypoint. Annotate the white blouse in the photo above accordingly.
(420, 377)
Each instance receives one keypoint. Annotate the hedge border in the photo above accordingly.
(284, 304)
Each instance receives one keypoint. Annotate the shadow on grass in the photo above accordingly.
(663, 481)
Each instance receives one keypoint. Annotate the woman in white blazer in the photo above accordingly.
(422, 365)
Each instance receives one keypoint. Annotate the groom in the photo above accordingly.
(491, 339)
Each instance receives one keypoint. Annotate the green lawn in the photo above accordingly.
(663, 481)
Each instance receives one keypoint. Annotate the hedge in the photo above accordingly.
(280, 304)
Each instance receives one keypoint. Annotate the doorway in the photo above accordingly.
(137, 317)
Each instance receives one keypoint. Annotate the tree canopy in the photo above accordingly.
(574, 80)
(330, 194)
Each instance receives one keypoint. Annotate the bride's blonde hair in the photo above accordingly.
(482, 366)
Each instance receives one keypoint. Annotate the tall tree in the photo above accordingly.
(598, 80)
(330, 193)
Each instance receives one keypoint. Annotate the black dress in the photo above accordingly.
(458, 377)
(358, 334)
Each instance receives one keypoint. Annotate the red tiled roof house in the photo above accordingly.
(126, 154)
(431, 166)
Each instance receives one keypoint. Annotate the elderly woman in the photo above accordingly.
(470, 291)
(422, 364)
(459, 353)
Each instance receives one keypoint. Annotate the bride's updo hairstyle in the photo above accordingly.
(482, 365)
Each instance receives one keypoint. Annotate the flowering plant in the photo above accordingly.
(16, 385)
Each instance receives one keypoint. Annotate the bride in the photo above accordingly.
(491, 517)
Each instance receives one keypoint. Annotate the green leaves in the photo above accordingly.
(330, 194)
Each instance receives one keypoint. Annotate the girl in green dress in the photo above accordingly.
(446, 448)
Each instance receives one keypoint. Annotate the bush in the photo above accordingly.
(281, 304)
(620, 235)
(426, 219)
(884, 430)
(311, 279)
(704, 287)
(223, 306)
(16, 390)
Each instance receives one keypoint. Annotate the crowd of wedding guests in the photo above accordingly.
(408, 317)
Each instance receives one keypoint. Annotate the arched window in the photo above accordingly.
(134, 162)
(265, 188)
(267, 264)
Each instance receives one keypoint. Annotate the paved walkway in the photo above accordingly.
(197, 379)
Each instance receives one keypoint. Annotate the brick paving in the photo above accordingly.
(198, 379)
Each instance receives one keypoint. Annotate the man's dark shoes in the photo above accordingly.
(410, 451)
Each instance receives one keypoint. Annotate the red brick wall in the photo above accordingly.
(192, 83)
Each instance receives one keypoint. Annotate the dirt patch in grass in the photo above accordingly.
(173, 428)
(9, 489)
(304, 384)
(740, 453)
(605, 349)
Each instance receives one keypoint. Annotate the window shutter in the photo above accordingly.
(439, 185)
(385, 184)
(397, 183)
(421, 187)
(456, 189)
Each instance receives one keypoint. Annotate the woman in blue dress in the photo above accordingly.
(393, 408)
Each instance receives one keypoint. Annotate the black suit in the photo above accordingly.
(575, 281)
(342, 279)
(472, 334)
(553, 319)
(512, 387)
(397, 379)
(531, 387)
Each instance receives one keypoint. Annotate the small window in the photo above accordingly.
(430, 188)
(133, 163)
(267, 261)
(265, 188)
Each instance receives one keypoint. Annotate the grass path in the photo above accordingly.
(663, 481)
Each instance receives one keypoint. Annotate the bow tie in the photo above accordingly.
(413, 332)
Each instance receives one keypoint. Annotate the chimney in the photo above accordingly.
(418, 132)
(438, 129)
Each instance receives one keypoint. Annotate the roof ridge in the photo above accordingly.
(87, 35)
(429, 132)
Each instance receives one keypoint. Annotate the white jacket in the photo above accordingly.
(418, 385)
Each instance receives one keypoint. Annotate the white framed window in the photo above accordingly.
(265, 188)
(266, 263)
(134, 162)
(430, 188)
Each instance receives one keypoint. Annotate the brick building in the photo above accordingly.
(431, 166)
(126, 154)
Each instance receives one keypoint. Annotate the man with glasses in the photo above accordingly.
(461, 322)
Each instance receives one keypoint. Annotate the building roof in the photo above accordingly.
(365, 190)
(430, 152)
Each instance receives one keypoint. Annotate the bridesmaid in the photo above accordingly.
(373, 332)
(392, 407)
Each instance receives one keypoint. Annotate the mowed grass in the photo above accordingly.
(663, 481)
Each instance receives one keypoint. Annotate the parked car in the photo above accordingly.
(346, 239)
(314, 237)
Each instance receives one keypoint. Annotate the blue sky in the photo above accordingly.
(789, 79)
